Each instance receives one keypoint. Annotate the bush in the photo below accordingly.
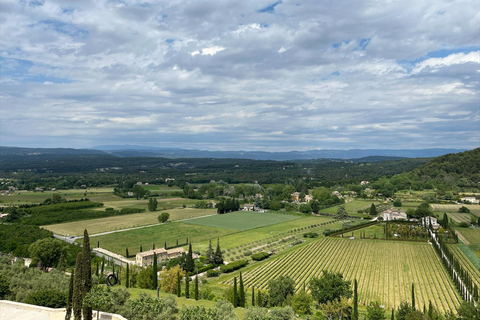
(260, 256)
(310, 235)
(213, 273)
(206, 268)
(463, 225)
(163, 217)
(48, 298)
(233, 266)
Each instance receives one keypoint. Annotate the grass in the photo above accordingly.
(475, 209)
(385, 270)
(352, 207)
(472, 235)
(460, 217)
(242, 220)
(94, 194)
(169, 232)
(125, 221)
(261, 234)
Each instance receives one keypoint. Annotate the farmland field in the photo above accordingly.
(460, 217)
(352, 206)
(473, 269)
(242, 220)
(472, 235)
(169, 232)
(384, 270)
(475, 209)
(124, 221)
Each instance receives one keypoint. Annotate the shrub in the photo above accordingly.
(48, 298)
(233, 266)
(463, 225)
(310, 235)
(260, 256)
(213, 273)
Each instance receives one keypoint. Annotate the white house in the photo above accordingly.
(427, 220)
(393, 214)
(471, 200)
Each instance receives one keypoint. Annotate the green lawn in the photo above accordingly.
(352, 206)
(124, 221)
(242, 220)
(169, 232)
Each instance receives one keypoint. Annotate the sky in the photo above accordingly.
(240, 75)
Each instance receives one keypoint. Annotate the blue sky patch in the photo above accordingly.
(65, 28)
(270, 8)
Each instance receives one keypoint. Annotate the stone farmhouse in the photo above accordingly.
(393, 214)
(145, 259)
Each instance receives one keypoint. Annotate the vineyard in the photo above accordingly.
(384, 270)
(472, 235)
(466, 263)
(460, 217)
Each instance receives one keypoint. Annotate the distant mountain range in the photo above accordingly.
(135, 151)
(142, 151)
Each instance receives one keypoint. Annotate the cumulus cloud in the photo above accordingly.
(240, 75)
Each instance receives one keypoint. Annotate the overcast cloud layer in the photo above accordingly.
(232, 75)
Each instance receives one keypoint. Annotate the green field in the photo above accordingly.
(474, 208)
(169, 232)
(352, 206)
(460, 217)
(94, 194)
(262, 234)
(472, 235)
(124, 221)
(384, 270)
(468, 260)
(242, 220)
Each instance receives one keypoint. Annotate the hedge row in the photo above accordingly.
(260, 256)
(226, 268)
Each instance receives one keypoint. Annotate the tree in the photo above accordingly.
(336, 309)
(196, 287)
(302, 302)
(403, 309)
(397, 203)
(253, 296)
(155, 272)
(218, 257)
(179, 287)
(152, 204)
(163, 217)
(279, 289)
(47, 251)
(468, 311)
(98, 298)
(47, 298)
(4, 287)
(314, 206)
(145, 278)
(235, 294)
(355, 301)
(375, 312)
(330, 286)
(86, 274)
(127, 278)
(138, 191)
(373, 210)
(169, 279)
(224, 310)
(189, 263)
(187, 287)
(463, 209)
(341, 212)
(241, 292)
(77, 289)
(69, 297)
(210, 254)
(413, 296)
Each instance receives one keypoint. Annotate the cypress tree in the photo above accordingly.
(165, 246)
(413, 296)
(355, 300)
(70, 297)
(127, 280)
(241, 294)
(86, 274)
(218, 254)
(259, 299)
(103, 265)
(155, 270)
(187, 287)
(177, 242)
(430, 310)
(393, 314)
(153, 246)
(189, 263)
(126, 253)
(253, 296)
(235, 292)
(196, 287)
(210, 255)
(179, 287)
(424, 309)
(96, 270)
(98, 244)
(141, 248)
(77, 289)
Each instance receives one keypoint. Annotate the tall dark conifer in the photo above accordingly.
(355, 300)
(155, 271)
(127, 278)
(413, 296)
(86, 274)
(253, 296)
(210, 254)
(187, 287)
(189, 263)
(241, 293)
(235, 295)
(126, 253)
(393, 314)
(218, 254)
(70, 297)
(77, 289)
(179, 286)
(196, 287)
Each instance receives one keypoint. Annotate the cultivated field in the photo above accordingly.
(352, 206)
(473, 269)
(474, 208)
(384, 270)
(472, 235)
(124, 221)
(460, 217)
(169, 232)
(242, 220)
